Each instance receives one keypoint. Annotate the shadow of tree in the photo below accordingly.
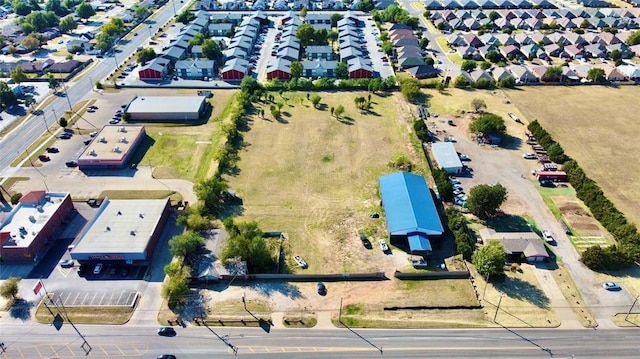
(508, 223)
(269, 288)
(21, 309)
(516, 288)
(347, 120)
(322, 107)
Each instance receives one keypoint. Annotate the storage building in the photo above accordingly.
(446, 157)
(112, 147)
(166, 108)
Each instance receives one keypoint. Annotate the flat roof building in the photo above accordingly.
(122, 232)
(447, 157)
(166, 108)
(411, 213)
(112, 147)
(33, 224)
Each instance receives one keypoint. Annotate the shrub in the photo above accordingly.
(15, 198)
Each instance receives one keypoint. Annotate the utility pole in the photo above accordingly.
(45, 122)
(630, 309)
(498, 307)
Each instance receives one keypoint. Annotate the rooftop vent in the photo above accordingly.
(123, 140)
(119, 213)
(133, 233)
(141, 215)
(32, 219)
(122, 129)
(92, 153)
(103, 139)
(116, 149)
(108, 229)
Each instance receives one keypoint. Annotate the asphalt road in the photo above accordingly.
(38, 341)
(18, 140)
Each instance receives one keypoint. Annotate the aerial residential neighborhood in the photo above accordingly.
(319, 178)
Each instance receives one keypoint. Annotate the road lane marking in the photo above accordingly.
(270, 350)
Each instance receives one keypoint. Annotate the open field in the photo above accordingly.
(523, 303)
(598, 127)
(187, 151)
(315, 177)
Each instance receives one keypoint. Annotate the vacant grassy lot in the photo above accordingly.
(86, 315)
(598, 127)
(186, 151)
(316, 177)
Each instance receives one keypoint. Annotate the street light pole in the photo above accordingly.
(45, 122)
(498, 307)
(630, 309)
(174, 7)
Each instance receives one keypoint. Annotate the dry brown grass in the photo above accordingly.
(598, 127)
(316, 178)
(86, 315)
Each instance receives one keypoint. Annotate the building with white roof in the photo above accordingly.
(447, 157)
(166, 108)
(122, 232)
(33, 225)
(112, 147)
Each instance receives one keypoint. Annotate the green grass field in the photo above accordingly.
(187, 151)
(315, 177)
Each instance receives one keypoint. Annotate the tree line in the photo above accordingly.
(627, 249)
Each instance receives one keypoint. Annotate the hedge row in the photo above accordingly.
(553, 148)
(445, 189)
(323, 84)
(458, 226)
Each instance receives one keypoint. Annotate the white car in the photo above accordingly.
(97, 269)
(301, 262)
(454, 181)
(529, 156)
(383, 245)
(547, 236)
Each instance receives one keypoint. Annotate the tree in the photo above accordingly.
(185, 16)
(68, 24)
(63, 122)
(553, 73)
(468, 65)
(305, 34)
(410, 89)
(338, 111)
(17, 75)
(176, 290)
(53, 83)
(9, 289)
(31, 42)
(485, 65)
(332, 36)
(246, 242)
(57, 7)
(211, 49)
(303, 12)
(596, 74)
(342, 70)
(7, 97)
(478, 104)
(634, 38)
(484, 200)
(296, 69)
(275, 112)
(332, 110)
(359, 101)
(616, 55)
(366, 5)
(197, 39)
(141, 12)
(29, 101)
(211, 193)
(21, 8)
(424, 42)
(85, 11)
(460, 82)
(507, 82)
(146, 54)
(335, 17)
(488, 124)
(185, 245)
(249, 85)
(315, 100)
(387, 47)
(489, 260)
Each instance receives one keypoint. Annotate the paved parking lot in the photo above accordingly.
(97, 298)
(381, 69)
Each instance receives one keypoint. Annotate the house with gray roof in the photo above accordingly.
(319, 52)
(522, 75)
(517, 244)
(319, 69)
(195, 69)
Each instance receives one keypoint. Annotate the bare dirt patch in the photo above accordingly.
(598, 127)
(579, 220)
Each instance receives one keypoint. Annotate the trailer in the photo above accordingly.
(554, 176)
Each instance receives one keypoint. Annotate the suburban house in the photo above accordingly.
(359, 68)
(235, 69)
(279, 69)
(317, 69)
(517, 245)
(319, 52)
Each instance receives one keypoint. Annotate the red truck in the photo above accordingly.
(554, 176)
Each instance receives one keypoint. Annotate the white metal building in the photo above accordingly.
(446, 157)
(166, 108)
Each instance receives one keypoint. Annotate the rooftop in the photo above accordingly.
(113, 142)
(28, 218)
(165, 104)
(121, 226)
(446, 155)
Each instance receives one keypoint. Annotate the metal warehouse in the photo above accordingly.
(166, 108)
(411, 213)
(112, 147)
(447, 157)
(122, 232)
(33, 224)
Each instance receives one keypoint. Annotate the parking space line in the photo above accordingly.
(84, 299)
(101, 302)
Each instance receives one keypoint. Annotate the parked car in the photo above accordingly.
(44, 158)
(301, 262)
(457, 191)
(124, 272)
(66, 136)
(53, 150)
(93, 134)
(611, 286)
(322, 290)
(450, 139)
(114, 121)
(87, 141)
(529, 156)
(166, 356)
(166, 331)
(450, 123)
(97, 269)
(421, 263)
(454, 181)
(464, 157)
(547, 236)
(66, 263)
(71, 164)
(383, 245)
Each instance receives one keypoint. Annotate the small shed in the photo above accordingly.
(447, 157)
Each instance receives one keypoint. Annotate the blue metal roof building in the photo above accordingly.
(410, 210)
